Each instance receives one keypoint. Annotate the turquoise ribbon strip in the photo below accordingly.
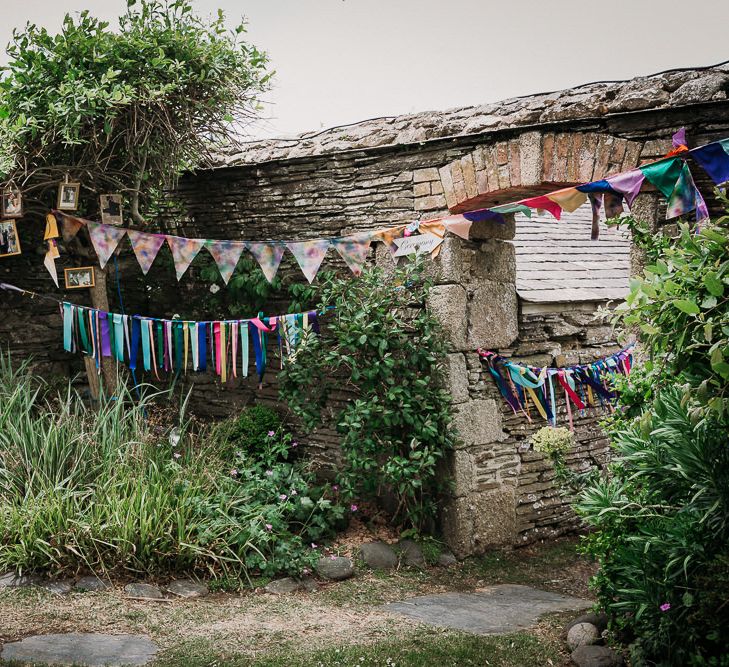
(67, 327)
(146, 353)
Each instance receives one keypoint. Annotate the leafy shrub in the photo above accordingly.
(104, 491)
(384, 347)
(553, 440)
(660, 520)
(248, 431)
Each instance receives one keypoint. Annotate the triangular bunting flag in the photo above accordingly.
(568, 199)
(268, 256)
(145, 246)
(70, 226)
(50, 260)
(105, 239)
(183, 252)
(226, 255)
(663, 174)
(459, 226)
(714, 158)
(309, 255)
(683, 197)
(354, 250)
(628, 184)
(544, 203)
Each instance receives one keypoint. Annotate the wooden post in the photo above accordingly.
(100, 301)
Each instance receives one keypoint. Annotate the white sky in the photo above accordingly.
(340, 61)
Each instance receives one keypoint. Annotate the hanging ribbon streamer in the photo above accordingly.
(517, 381)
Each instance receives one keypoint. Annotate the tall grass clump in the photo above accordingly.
(109, 490)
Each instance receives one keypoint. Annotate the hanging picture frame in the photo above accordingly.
(68, 196)
(9, 241)
(79, 277)
(111, 209)
(12, 202)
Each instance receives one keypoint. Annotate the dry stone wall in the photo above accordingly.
(392, 173)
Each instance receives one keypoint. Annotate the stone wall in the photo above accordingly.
(502, 492)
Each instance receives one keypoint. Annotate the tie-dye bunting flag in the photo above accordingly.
(628, 184)
(684, 197)
(105, 239)
(354, 250)
(268, 256)
(226, 255)
(309, 255)
(183, 252)
(145, 247)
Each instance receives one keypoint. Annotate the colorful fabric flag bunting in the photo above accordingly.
(714, 158)
(105, 239)
(183, 252)
(686, 197)
(309, 255)
(268, 256)
(568, 199)
(628, 184)
(663, 174)
(145, 247)
(354, 250)
(461, 226)
(544, 203)
(226, 255)
(587, 385)
(513, 208)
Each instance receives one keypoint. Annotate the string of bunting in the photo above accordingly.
(671, 176)
(583, 385)
(176, 346)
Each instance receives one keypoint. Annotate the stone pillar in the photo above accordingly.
(475, 299)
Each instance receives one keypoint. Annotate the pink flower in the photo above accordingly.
(271, 434)
(335, 487)
(313, 546)
(665, 606)
(177, 456)
(233, 473)
(354, 508)
(294, 444)
(269, 472)
(269, 527)
(283, 496)
(306, 570)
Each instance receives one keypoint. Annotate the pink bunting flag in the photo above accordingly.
(226, 255)
(568, 199)
(628, 184)
(268, 256)
(145, 246)
(105, 239)
(309, 255)
(544, 203)
(354, 250)
(183, 252)
(459, 226)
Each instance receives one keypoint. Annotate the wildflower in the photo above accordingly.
(335, 488)
(269, 527)
(293, 492)
(177, 455)
(233, 473)
(283, 496)
(214, 289)
(269, 472)
(294, 444)
(665, 606)
(313, 545)
(271, 434)
(354, 508)
(306, 570)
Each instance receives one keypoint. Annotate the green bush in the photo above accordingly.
(660, 520)
(104, 491)
(247, 432)
(383, 347)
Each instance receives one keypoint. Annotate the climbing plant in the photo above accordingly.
(386, 352)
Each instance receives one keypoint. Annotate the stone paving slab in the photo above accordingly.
(83, 649)
(489, 611)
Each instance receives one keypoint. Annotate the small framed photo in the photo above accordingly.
(12, 206)
(78, 278)
(9, 241)
(111, 209)
(68, 196)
